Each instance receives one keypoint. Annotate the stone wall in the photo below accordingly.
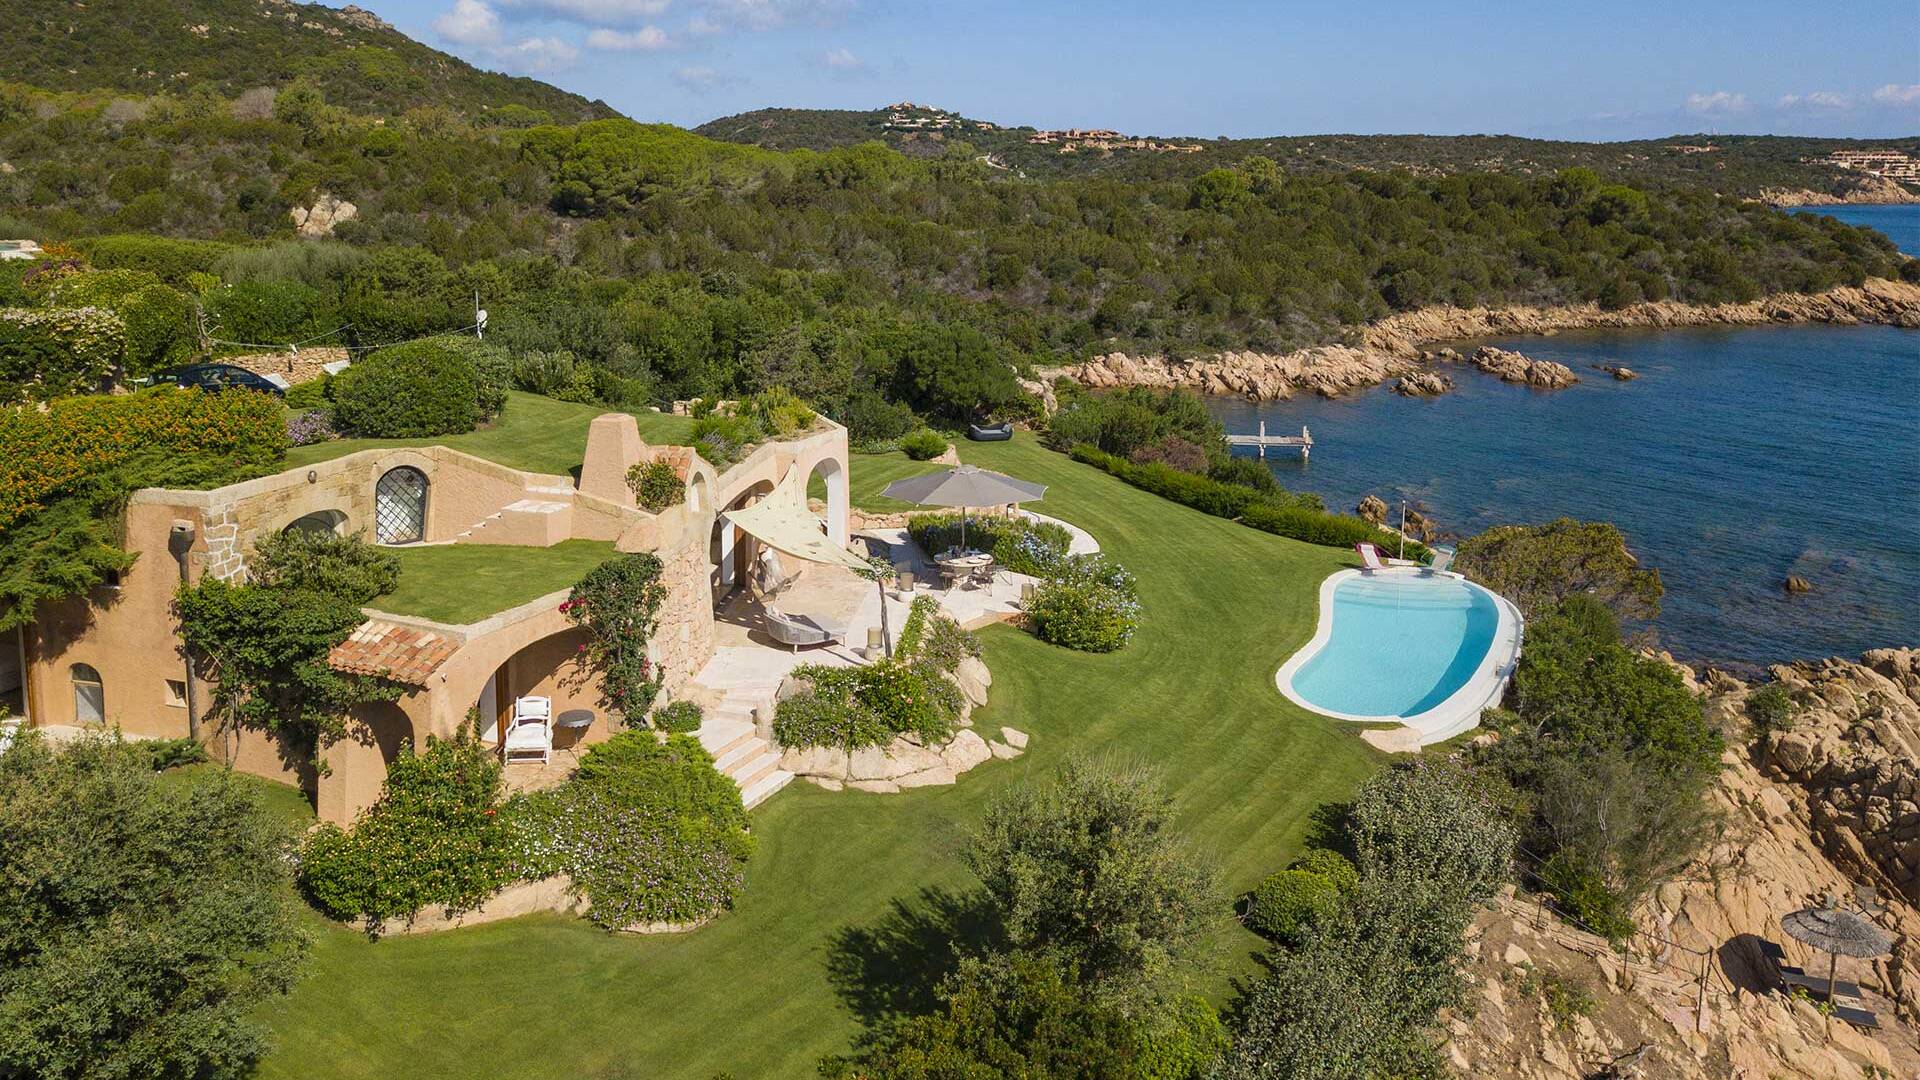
(295, 367)
(684, 641)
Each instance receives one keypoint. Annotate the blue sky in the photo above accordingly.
(1544, 68)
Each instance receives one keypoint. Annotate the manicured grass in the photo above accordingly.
(282, 802)
(463, 583)
(537, 434)
(767, 989)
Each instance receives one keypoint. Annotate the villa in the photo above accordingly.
(115, 658)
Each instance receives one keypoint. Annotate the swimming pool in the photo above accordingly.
(1427, 651)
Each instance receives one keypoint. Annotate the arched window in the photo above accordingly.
(89, 696)
(320, 522)
(400, 506)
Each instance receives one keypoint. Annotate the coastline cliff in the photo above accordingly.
(1393, 347)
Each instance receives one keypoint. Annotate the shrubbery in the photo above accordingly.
(1537, 566)
(924, 445)
(656, 484)
(432, 839)
(1294, 516)
(1019, 544)
(853, 707)
(678, 717)
(1088, 602)
(618, 605)
(51, 353)
(1289, 903)
(420, 388)
(649, 831)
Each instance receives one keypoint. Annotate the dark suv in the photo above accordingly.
(211, 377)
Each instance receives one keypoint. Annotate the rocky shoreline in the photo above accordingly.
(1397, 346)
(1872, 191)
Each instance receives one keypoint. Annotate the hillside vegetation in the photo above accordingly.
(144, 47)
(1742, 165)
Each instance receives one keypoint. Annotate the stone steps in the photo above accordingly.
(738, 751)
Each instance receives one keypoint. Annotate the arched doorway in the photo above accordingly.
(319, 523)
(731, 549)
(400, 506)
(835, 475)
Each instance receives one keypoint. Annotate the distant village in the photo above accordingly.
(909, 116)
(906, 116)
(1887, 164)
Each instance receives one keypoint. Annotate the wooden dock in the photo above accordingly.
(1303, 441)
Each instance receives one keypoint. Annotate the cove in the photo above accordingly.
(1738, 457)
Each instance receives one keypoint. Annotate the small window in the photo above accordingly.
(177, 693)
(89, 696)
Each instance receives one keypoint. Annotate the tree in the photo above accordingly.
(1088, 866)
(145, 922)
(951, 370)
(265, 641)
(1536, 566)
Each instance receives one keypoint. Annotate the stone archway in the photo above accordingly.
(834, 474)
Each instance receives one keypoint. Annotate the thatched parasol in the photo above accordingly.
(1834, 930)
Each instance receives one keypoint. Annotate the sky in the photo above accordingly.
(1545, 68)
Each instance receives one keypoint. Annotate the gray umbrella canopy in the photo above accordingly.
(964, 485)
(1834, 930)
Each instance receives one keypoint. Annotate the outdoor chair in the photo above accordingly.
(797, 630)
(530, 738)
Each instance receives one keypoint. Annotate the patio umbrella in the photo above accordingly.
(963, 486)
(1834, 930)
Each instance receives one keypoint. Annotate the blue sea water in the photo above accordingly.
(1900, 224)
(1739, 457)
(1398, 647)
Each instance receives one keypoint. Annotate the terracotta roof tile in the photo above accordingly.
(404, 654)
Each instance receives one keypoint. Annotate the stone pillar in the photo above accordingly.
(613, 445)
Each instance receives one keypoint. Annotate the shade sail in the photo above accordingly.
(964, 485)
(782, 522)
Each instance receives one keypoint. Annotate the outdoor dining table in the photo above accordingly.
(958, 566)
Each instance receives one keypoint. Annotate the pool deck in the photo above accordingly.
(1460, 711)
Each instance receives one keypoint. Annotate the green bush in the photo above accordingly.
(167, 258)
(1292, 516)
(312, 394)
(678, 717)
(1331, 865)
(1770, 708)
(432, 839)
(656, 484)
(159, 320)
(492, 370)
(855, 707)
(56, 352)
(1538, 566)
(723, 439)
(1289, 903)
(1186, 1043)
(406, 391)
(649, 831)
(1090, 604)
(1019, 544)
(924, 445)
(164, 754)
(1581, 890)
(269, 312)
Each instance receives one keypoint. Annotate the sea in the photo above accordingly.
(1737, 458)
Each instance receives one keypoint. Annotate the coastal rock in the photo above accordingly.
(1418, 526)
(1372, 508)
(1866, 190)
(1513, 367)
(1618, 371)
(1797, 584)
(1393, 346)
(319, 219)
(1423, 384)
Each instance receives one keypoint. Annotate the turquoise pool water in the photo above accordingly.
(1398, 646)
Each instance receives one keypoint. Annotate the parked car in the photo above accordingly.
(211, 377)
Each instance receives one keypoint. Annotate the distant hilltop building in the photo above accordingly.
(906, 116)
(1891, 164)
(1074, 140)
(1693, 148)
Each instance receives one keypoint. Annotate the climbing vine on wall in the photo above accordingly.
(618, 604)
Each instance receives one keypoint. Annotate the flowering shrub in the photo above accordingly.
(618, 603)
(850, 708)
(678, 717)
(434, 837)
(649, 832)
(933, 637)
(312, 426)
(656, 484)
(43, 454)
(1089, 603)
(46, 354)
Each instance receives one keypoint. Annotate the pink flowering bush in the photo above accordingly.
(618, 604)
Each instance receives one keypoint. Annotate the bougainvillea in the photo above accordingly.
(618, 604)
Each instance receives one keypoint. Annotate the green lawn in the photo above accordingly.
(758, 993)
(537, 434)
(463, 583)
(282, 802)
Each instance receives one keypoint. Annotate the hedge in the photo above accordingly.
(159, 320)
(45, 453)
(410, 390)
(1292, 519)
(269, 312)
(168, 259)
(46, 354)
